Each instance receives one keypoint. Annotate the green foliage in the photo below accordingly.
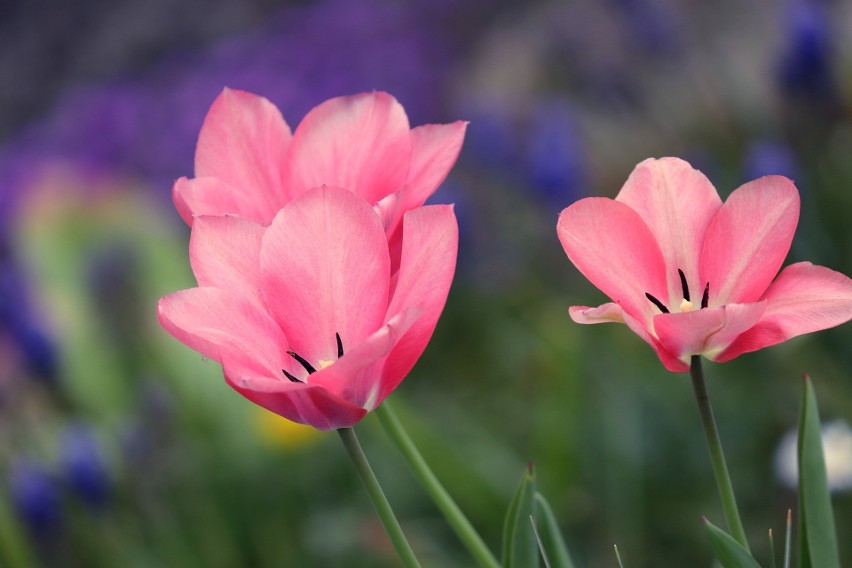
(817, 536)
(520, 549)
(728, 551)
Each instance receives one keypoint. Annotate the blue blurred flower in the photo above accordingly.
(766, 156)
(35, 497)
(83, 465)
(804, 67)
(556, 163)
(18, 320)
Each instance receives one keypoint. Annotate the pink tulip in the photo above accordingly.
(305, 315)
(694, 276)
(249, 164)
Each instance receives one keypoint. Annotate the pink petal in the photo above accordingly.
(428, 262)
(243, 142)
(225, 253)
(804, 298)
(708, 331)
(307, 404)
(357, 376)
(611, 245)
(748, 239)
(434, 150)
(220, 324)
(610, 312)
(212, 196)
(361, 142)
(325, 270)
(677, 203)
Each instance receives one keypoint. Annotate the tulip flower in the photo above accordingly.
(694, 276)
(306, 316)
(248, 162)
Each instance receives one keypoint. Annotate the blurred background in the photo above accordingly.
(121, 447)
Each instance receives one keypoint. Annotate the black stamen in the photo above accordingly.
(339, 346)
(683, 284)
(657, 303)
(706, 298)
(308, 367)
(291, 377)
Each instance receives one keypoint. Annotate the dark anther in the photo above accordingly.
(683, 284)
(706, 298)
(308, 367)
(339, 346)
(291, 377)
(657, 303)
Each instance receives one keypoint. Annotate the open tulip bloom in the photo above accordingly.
(248, 162)
(694, 276)
(305, 315)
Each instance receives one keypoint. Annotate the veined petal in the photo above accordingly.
(225, 253)
(804, 298)
(303, 403)
(434, 150)
(611, 245)
(221, 324)
(212, 196)
(605, 313)
(748, 239)
(243, 142)
(357, 376)
(361, 142)
(677, 203)
(428, 262)
(325, 270)
(707, 331)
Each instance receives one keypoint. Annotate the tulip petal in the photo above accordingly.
(677, 203)
(357, 376)
(325, 270)
(306, 404)
(220, 324)
(225, 253)
(748, 239)
(360, 142)
(428, 262)
(212, 196)
(243, 142)
(708, 331)
(611, 245)
(804, 298)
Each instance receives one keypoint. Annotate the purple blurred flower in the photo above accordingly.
(556, 163)
(83, 465)
(35, 497)
(766, 156)
(804, 68)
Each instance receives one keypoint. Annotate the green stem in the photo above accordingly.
(464, 530)
(380, 502)
(717, 456)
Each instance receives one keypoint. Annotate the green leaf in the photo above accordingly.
(520, 549)
(817, 536)
(551, 536)
(728, 551)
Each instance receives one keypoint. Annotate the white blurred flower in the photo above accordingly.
(837, 448)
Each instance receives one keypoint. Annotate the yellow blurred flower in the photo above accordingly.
(278, 431)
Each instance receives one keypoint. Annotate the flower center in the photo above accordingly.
(322, 363)
(686, 304)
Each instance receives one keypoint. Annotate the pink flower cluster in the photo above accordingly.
(321, 274)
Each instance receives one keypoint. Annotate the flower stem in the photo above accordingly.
(464, 530)
(380, 502)
(717, 456)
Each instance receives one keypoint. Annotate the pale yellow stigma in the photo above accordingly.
(323, 363)
(685, 306)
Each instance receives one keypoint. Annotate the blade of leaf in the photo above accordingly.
(520, 549)
(787, 538)
(551, 536)
(540, 544)
(771, 550)
(618, 556)
(728, 551)
(817, 536)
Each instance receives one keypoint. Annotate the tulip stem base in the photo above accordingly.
(442, 499)
(380, 502)
(717, 456)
